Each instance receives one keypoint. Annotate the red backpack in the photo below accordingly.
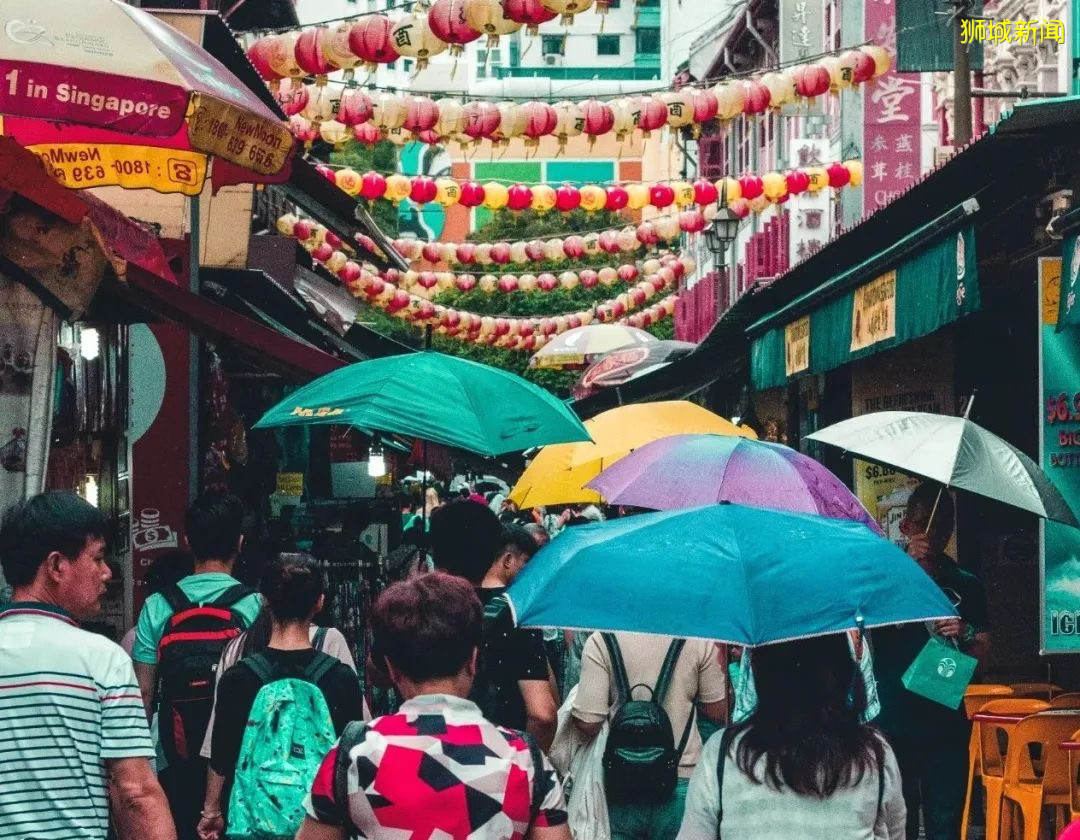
(188, 656)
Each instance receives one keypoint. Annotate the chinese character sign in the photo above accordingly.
(810, 212)
(891, 119)
(802, 36)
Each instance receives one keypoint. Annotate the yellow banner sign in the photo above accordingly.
(80, 166)
(290, 483)
(873, 315)
(249, 141)
(797, 346)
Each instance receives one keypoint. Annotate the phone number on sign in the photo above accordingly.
(164, 170)
(1063, 408)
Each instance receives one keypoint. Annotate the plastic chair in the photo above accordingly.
(979, 693)
(1069, 700)
(1074, 781)
(1028, 789)
(993, 747)
(1041, 690)
(976, 696)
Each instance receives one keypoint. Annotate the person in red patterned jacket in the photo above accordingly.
(437, 768)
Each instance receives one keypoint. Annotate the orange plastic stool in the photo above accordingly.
(993, 747)
(1074, 781)
(1027, 789)
(976, 696)
(1070, 700)
(1041, 690)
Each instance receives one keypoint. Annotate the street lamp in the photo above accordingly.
(721, 233)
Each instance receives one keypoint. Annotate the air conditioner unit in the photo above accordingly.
(553, 60)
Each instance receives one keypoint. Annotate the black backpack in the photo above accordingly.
(641, 761)
(188, 656)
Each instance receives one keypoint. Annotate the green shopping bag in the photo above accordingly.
(941, 672)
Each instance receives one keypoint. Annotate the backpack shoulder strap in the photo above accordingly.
(236, 592)
(355, 733)
(536, 799)
(667, 670)
(319, 639)
(176, 598)
(319, 667)
(881, 783)
(726, 737)
(264, 669)
(618, 667)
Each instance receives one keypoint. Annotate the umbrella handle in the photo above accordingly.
(937, 501)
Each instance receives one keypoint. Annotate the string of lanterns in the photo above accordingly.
(746, 194)
(553, 249)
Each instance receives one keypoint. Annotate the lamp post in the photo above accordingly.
(721, 233)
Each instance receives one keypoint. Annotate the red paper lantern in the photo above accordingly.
(332, 239)
(465, 282)
(508, 283)
(650, 114)
(350, 272)
(466, 253)
(797, 181)
(567, 198)
(500, 253)
(327, 173)
(472, 194)
(370, 40)
(530, 13)
(756, 97)
(617, 197)
(589, 278)
(628, 273)
(430, 137)
(534, 250)
(302, 230)
(692, 221)
(354, 107)
(431, 252)
(423, 189)
(540, 121)
(481, 119)
(811, 80)
(740, 208)
(425, 311)
(309, 53)
(259, 56)
(647, 235)
(392, 275)
(751, 186)
(547, 281)
(448, 23)
(366, 133)
(398, 301)
(864, 66)
(292, 96)
(661, 196)
(375, 288)
(526, 328)
(604, 312)
(547, 326)
(705, 192)
(502, 326)
(519, 197)
(609, 242)
(574, 246)
(638, 296)
(372, 186)
(421, 114)
(302, 129)
(427, 279)
(839, 175)
(599, 118)
(705, 106)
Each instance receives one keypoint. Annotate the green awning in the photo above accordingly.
(924, 281)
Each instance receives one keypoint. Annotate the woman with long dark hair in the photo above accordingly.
(802, 765)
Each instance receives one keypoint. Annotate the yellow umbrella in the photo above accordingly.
(559, 472)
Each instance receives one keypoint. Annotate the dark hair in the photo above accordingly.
(807, 724)
(399, 562)
(516, 537)
(292, 585)
(465, 539)
(168, 568)
(577, 519)
(428, 626)
(214, 523)
(925, 496)
(48, 522)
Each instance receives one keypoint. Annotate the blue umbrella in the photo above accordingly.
(730, 573)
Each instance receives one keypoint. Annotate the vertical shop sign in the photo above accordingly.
(797, 346)
(802, 35)
(873, 312)
(892, 127)
(1059, 424)
(811, 212)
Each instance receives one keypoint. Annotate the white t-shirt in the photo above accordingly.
(757, 812)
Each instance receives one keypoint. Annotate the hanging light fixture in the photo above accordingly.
(723, 230)
(89, 343)
(376, 465)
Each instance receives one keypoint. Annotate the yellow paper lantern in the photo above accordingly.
(527, 282)
(388, 111)
(337, 261)
(408, 279)
(447, 252)
(398, 188)
(667, 227)
(451, 118)
(569, 280)
(512, 121)
(413, 38)
(543, 198)
(487, 16)
(855, 168)
(488, 283)
(553, 250)
(729, 190)
(593, 198)
(399, 136)
(773, 185)
(318, 235)
(684, 193)
(334, 133)
(286, 223)
(482, 254)
(729, 99)
(495, 195)
(819, 178)
(567, 8)
(680, 107)
(637, 196)
(518, 253)
(848, 62)
(759, 204)
(348, 181)
(447, 192)
(837, 79)
(570, 120)
(592, 244)
(321, 104)
(281, 55)
(623, 109)
(781, 89)
(650, 266)
(881, 56)
(689, 265)
(335, 47)
(608, 276)
(627, 240)
(487, 323)
(446, 281)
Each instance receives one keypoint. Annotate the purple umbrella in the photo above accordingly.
(691, 470)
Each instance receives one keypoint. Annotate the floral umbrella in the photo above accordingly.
(105, 93)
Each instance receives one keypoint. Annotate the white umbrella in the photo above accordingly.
(955, 452)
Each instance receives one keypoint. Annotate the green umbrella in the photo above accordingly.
(436, 398)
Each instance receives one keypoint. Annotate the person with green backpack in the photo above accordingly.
(278, 713)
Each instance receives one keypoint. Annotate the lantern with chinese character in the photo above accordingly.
(730, 99)
(599, 119)
(862, 63)
(540, 121)
(529, 13)
(481, 120)
(819, 178)
(303, 130)
(421, 114)
(398, 188)
(310, 55)
(495, 195)
(567, 8)
(683, 193)
(593, 198)
(881, 56)
(371, 41)
(569, 121)
(623, 123)
(755, 97)
(650, 114)
(321, 103)
(287, 226)
(773, 186)
(398, 136)
(781, 87)
(512, 122)
(334, 133)
(281, 54)
(366, 133)
(449, 23)
(354, 108)
(450, 118)
(519, 197)
(680, 107)
(543, 198)
(292, 96)
(855, 172)
(412, 36)
(489, 17)
(259, 56)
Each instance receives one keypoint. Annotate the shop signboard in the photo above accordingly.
(802, 35)
(810, 212)
(1059, 423)
(797, 346)
(873, 312)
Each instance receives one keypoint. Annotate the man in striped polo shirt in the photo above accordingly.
(73, 733)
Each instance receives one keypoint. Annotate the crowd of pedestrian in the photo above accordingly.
(235, 716)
